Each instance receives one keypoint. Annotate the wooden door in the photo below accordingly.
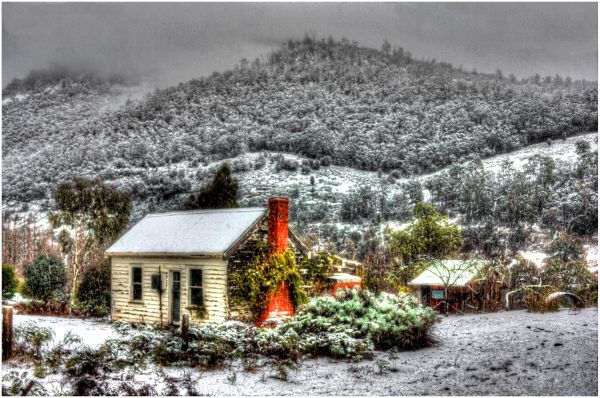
(175, 297)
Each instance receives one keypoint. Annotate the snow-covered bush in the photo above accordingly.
(349, 326)
(93, 293)
(287, 164)
(142, 344)
(87, 361)
(213, 344)
(383, 321)
(45, 278)
(30, 338)
(14, 381)
(535, 298)
(277, 343)
(54, 357)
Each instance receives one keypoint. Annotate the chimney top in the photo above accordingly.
(278, 224)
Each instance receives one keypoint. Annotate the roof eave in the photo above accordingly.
(439, 284)
(295, 238)
(162, 254)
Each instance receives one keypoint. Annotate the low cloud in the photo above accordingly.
(170, 43)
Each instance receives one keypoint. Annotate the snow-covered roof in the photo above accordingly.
(198, 232)
(344, 277)
(456, 272)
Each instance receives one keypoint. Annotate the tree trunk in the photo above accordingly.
(7, 332)
(446, 300)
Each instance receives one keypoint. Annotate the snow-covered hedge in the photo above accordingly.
(381, 321)
(349, 326)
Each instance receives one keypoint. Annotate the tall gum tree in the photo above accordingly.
(90, 214)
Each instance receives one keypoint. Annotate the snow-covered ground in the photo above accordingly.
(559, 150)
(504, 353)
(93, 332)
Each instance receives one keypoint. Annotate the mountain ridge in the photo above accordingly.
(330, 102)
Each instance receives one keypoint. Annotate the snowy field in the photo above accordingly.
(505, 353)
(93, 332)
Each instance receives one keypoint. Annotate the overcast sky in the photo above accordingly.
(170, 43)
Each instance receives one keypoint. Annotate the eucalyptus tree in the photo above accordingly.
(89, 214)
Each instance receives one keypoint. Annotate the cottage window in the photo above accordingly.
(196, 291)
(136, 283)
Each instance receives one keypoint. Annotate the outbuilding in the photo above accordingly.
(459, 283)
(170, 264)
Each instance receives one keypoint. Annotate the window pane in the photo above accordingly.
(196, 277)
(137, 291)
(196, 297)
(137, 275)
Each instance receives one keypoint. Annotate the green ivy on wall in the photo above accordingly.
(255, 283)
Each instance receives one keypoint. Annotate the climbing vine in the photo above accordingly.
(316, 271)
(255, 283)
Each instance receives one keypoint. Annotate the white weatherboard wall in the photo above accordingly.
(148, 310)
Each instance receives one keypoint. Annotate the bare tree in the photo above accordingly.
(450, 272)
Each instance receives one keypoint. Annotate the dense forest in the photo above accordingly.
(500, 211)
(332, 102)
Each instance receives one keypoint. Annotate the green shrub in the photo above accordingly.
(349, 326)
(55, 356)
(523, 272)
(93, 293)
(45, 278)
(383, 321)
(10, 282)
(568, 275)
(14, 381)
(566, 247)
(535, 299)
(318, 269)
(30, 338)
(572, 276)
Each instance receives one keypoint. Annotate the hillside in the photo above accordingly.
(331, 102)
(354, 136)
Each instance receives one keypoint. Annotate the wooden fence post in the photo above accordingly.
(185, 331)
(7, 332)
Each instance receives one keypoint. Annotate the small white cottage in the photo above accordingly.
(170, 264)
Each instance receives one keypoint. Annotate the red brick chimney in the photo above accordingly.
(280, 303)
(278, 224)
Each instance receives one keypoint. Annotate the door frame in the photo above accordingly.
(170, 296)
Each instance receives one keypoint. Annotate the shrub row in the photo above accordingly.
(349, 326)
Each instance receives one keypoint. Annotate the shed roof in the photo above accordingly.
(456, 272)
(198, 232)
(344, 277)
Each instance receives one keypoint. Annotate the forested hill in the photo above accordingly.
(331, 101)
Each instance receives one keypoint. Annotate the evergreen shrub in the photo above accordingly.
(349, 326)
(382, 321)
(535, 299)
(31, 338)
(45, 278)
(10, 282)
(93, 293)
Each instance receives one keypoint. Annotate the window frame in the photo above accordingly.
(190, 287)
(132, 283)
